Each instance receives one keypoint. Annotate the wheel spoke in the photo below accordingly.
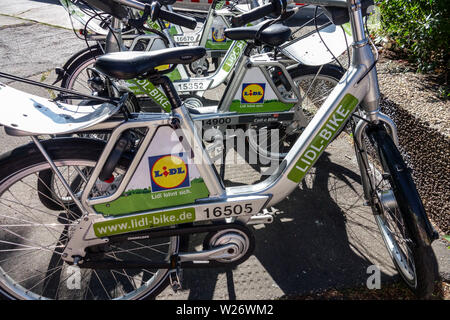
(389, 219)
(34, 238)
(314, 86)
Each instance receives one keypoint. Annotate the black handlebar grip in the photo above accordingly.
(252, 15)
(172, 17)
(367, 3)
(108, 6)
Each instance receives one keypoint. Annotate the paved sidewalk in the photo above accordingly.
(43, 11)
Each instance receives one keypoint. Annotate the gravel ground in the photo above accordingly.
(395, 291)
(415, 93)
(423, 121)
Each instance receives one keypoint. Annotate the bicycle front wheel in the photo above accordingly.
(33, 237)
(392, 194)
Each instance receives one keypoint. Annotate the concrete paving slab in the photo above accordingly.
(323, 238)
(8, 21)
(43, 11)
(58, 16)
(18, 7)
(34, 48)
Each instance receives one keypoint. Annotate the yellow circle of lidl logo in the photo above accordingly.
(253, 92)
(218, 35)
(168, 172)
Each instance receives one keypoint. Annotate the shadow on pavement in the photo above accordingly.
(306, 248)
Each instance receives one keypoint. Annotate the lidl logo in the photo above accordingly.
(168, 172)
(218, 34)
(253, 92)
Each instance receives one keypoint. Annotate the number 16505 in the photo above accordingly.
(228, 210)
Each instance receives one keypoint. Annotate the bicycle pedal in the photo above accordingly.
(175, 279)
(76, 260)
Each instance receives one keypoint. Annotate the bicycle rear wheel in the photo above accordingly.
(79, 74)
(33, 237)
(396, 204)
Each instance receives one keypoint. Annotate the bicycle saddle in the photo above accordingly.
(274, 35)
(132, 64)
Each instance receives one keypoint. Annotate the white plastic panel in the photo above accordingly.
(30, 113)
(312, 51)
(77, 14)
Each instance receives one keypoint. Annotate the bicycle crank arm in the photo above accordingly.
(226, 251)
(201, 259)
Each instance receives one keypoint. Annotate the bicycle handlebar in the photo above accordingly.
(277, 7)
(335, 3)
(157, 12)
(110, 7)
(172, 17)
(252, 15)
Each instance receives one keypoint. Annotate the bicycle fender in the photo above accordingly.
(61, 71)
(407, 198)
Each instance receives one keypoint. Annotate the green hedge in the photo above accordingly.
(421, 28)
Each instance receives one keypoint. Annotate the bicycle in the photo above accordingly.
(290, 95)
(121, 231)
(209, 35)
(297, 86)
(75, 74)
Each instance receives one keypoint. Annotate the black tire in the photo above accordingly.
(402, 221)
(18, 171)
(325, 79)
(75, 78)
(78, 64)
(47, 191)
(330, 70)
(71, 80)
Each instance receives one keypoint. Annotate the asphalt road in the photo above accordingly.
(322, 237)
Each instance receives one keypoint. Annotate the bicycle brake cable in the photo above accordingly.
(139, 24)
(268, 23)
(320, 36)
(60, 89)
